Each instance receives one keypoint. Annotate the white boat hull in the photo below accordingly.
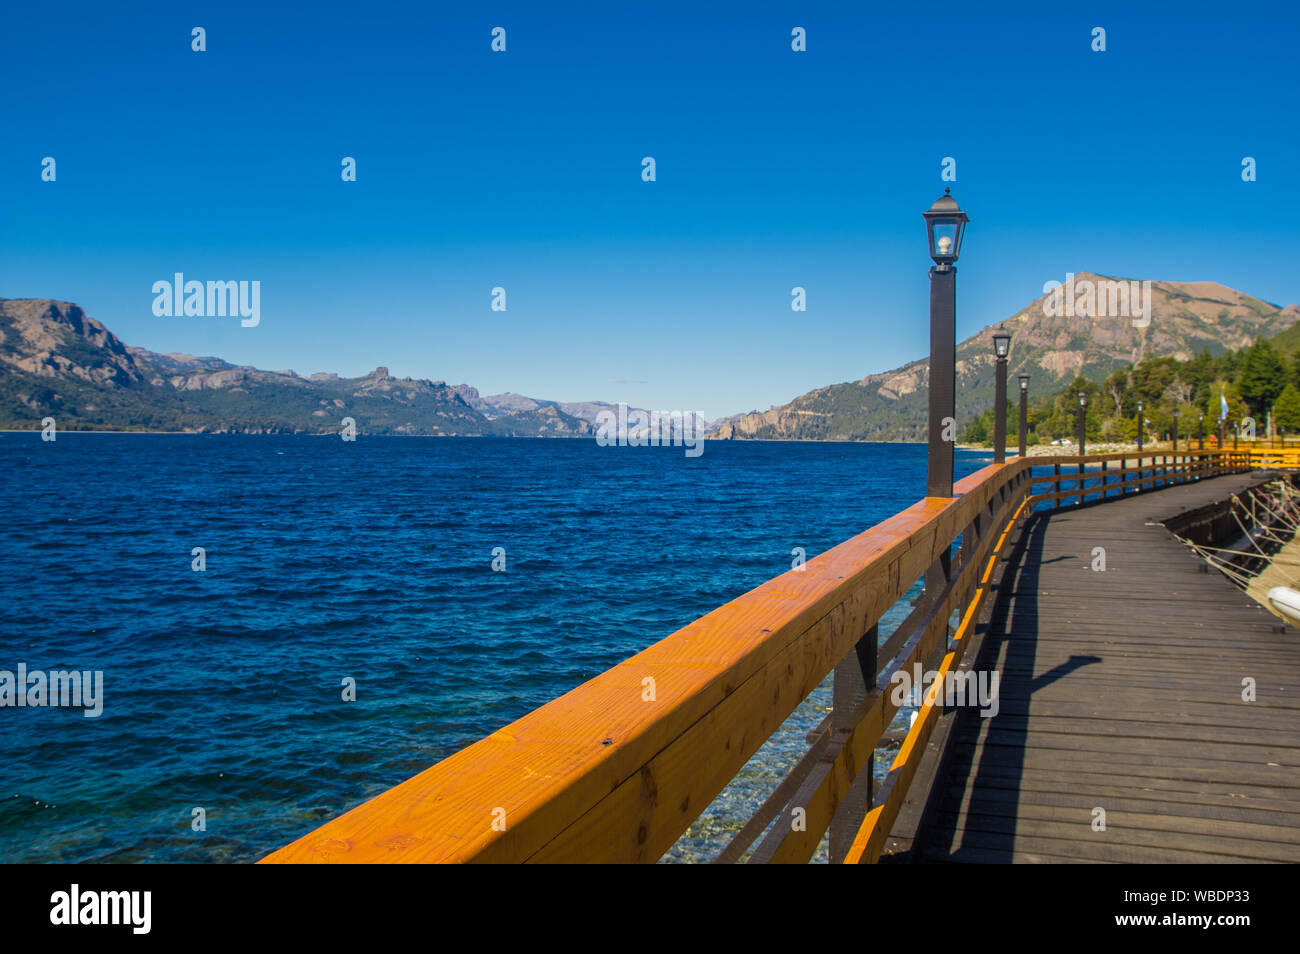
(1286, 601)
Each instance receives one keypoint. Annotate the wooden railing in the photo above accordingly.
(1275, 457)
(618, 768)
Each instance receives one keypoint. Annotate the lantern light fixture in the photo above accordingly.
(1001, 342)
(945, 223)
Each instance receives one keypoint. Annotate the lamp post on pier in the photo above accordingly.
(1083, 414)
(1001, 347)
(1200, 432)
(855, 674)
(1175, 432)
(1024, 413)
(944, 224)
(1140, 429)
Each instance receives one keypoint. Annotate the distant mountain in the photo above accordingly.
(496, 406)
(1185, 318)
(1287, 342)
(56, 361)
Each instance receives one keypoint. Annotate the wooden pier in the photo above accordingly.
(1121, 690)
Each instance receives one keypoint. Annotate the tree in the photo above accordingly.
(1262, 376)
(1153, 376)
(1286, 412)
(1199, 372)
(1063, 419)
(980, 430)
(1237, 408)
(1125, 429)
(1178, 392)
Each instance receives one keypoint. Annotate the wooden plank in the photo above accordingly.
(1154, 831)
(979, 844)
(1025, 801)
(1129, 765)
(1121, 784)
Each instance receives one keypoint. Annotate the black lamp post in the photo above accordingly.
(1083, 411)
(1024, 413)
(1140, 429)
(1001, 347)
(1175, 434)
(944, 223)
(1200, 432)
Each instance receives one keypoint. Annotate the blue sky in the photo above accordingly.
(522, 170)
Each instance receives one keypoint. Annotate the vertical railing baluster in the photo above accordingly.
(854, 677)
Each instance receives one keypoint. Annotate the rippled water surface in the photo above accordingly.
(369, 560)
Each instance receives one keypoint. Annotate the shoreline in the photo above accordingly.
(1035, 450)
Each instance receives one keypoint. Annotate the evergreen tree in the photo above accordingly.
(1199, 372)
(1286, 412)
(1237, 408)
(1263, 376)
(979, 430)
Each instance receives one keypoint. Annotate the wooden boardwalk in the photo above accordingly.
(1122, 690)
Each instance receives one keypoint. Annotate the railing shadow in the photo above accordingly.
(1010, 646)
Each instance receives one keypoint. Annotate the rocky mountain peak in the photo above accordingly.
(49, 338)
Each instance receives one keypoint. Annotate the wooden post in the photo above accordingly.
(854, 677)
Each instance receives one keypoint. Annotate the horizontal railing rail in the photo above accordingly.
(618, 768)
(1275, 457)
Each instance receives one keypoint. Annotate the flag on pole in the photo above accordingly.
(1223, 407)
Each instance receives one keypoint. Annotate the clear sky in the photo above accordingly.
(522, 169)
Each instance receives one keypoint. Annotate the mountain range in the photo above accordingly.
(57, 361)
(1183, 319)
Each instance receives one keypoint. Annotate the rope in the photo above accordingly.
(1241, 579)
(1281, 506)
(1285, 516)
(1282, 511)
(1206, 548)
(1247, 534)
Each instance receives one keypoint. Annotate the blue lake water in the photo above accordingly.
(370, 560)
